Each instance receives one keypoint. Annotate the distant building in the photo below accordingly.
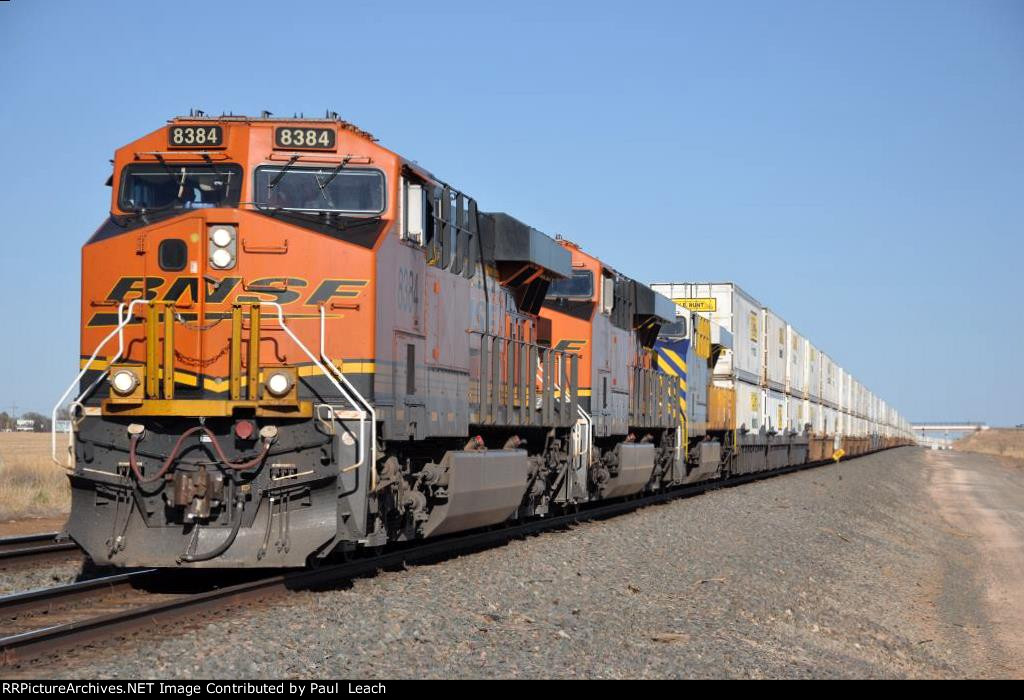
(26, 425)
(62, 426)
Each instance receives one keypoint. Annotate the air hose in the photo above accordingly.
(238, 466)
(222, 547)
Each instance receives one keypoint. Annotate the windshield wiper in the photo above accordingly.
(334, 173)
(277, 178)
(330, 178)
(359, 222)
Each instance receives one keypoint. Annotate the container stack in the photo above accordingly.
(773, 381)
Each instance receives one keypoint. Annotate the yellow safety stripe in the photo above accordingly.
(304, 370)
(674, 356)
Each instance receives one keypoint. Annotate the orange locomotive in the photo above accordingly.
(296, 342)
(637, 412)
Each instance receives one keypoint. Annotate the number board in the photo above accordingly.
(195, 135)
(304, 138)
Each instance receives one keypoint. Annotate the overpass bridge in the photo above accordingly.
(937, 435)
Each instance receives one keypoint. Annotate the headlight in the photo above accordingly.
(124, 381)
(223, 245)
(221, 258)
(279, 383)
(222, 236)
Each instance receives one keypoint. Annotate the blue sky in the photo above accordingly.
(858, 166)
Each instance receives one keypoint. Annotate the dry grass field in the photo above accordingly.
(1004, 442)
(31, 485)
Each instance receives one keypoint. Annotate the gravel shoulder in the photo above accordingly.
(876, 567)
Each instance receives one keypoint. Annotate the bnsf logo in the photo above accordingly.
(571, 346)
(282, 290)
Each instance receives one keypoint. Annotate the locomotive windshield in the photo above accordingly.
(579, 286)
(676, 329)
(189, 186)
(329, 188)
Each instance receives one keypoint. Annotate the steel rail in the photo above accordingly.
(26, 646)
(42, 599)
(20, 550)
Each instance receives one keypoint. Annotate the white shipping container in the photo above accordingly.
(817, 416)
(831, 420)
(774, 410)
(749, 403)
(798, 413)
(774, 344)
(813, 372)
(829, 381)
(729, 306)
(796, 363)
(842, 389)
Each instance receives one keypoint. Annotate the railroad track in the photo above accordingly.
(39, 623)
(25, 550)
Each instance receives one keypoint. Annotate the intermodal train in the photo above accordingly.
(296, 343)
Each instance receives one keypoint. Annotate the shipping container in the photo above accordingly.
(796, 363)
(831, 420)
(774, 410)
(843, 381)
(813, 372)
(829, 381)
(817, 414)
(727, 305)
(798, 412)
(749, 404)
(773, 371)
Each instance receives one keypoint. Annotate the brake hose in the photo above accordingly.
(238, 466)
(223, 546)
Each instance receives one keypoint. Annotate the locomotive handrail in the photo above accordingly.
(125, 317)
(590, 432)
(509, 383)
(119, 332)
(331, 377)
(366, 406)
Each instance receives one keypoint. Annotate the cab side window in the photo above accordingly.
(416, 212)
